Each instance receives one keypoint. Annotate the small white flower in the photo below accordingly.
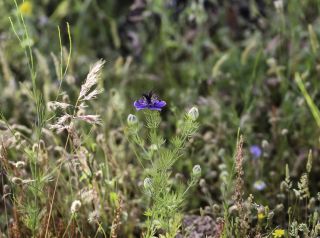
(75, 206)
(132, 120)
(193, 113)
(93, 217)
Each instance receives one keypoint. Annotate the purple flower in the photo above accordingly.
(256, 151)
(149, 101)
(259, 185)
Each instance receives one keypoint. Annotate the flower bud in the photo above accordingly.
(261, 209)
(196, 171)
(17, 135)
(35, 147)
(99, 175)
(312, 203)
(154, 147)
(261, 216)
(279, 208)
(20, 164)
(132, 120)
(216, 209)
(202, 183)
(75, 206)
(265, 144)
(284, 186)
(6, 189)
(233, 209)
(193, 113)
(270, 215)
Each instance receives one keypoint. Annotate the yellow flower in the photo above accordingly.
(261, 216)
(278, 233)
(26, 8)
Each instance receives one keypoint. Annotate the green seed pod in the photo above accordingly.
(196, 171)
(132, 120)
(193, 113)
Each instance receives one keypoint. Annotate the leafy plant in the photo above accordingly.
(165, 196)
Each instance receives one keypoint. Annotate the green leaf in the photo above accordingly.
(113, 197)
(61, 10)
(148, 213)
(313, 108)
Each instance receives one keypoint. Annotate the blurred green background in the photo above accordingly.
(235, 60)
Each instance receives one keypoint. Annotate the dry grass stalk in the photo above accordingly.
(92, 79)
(238, 194)
(14, 230)
(65, 122)
(117, 220)
(239, 191)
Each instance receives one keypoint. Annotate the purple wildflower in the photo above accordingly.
(255, 151)
(149, 101)
(259, 185)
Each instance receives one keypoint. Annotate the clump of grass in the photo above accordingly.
(67, 121)
(242, 225)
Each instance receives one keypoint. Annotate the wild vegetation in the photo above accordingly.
(162, 118)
